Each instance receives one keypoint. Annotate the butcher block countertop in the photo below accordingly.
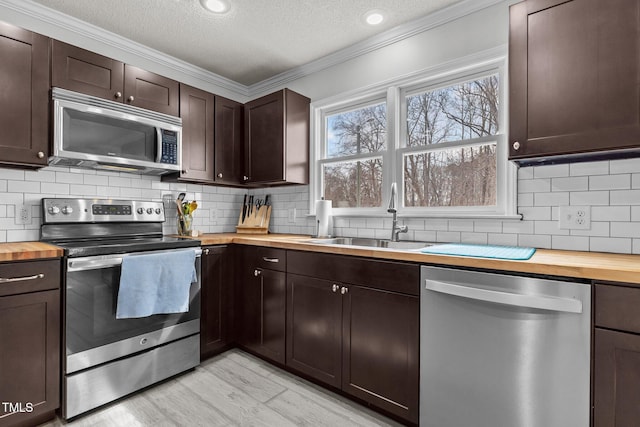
(18, 251)
(580, 265)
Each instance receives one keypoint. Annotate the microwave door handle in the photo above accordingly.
(158, 145)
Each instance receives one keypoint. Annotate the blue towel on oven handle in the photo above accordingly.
(156, 283)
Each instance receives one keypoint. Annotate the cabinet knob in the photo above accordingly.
(130, 98)
(118, 95)
(516, 145)
(257, 272)
(344, 290)
(220, 175)
(40, 155)
(245, 178)
(335, 288)
(206, 251)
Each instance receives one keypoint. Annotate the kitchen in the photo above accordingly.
(475, 32)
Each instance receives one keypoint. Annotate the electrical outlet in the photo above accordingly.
(168, 200)
(23, 215)
(292, 215)
(575, 217)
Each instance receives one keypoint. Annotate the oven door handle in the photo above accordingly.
(98, 262)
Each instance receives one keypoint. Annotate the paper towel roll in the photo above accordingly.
(323, 218)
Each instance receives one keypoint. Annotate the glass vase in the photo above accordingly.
(184, 225)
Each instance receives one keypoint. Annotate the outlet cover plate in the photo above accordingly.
(23, 215)
(575, 217)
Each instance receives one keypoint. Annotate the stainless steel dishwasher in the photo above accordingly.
(503, 351)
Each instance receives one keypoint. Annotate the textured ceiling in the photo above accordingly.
(256, 40)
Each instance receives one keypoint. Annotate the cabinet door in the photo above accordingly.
(197, 111)
(380, 361)
(151, 91)
(216, 301)
(24, 97)
(616, 394)
(29, 356)
(271, 314)
(229, 141)
(264, 139)
(86, 72)
(574, 74)
(314, 328)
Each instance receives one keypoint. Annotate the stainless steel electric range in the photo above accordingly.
(109, 357)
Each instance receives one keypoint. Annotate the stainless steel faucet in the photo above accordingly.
(395, 228)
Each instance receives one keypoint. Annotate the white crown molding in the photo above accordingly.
(378, 41)
(52, 17)
(74, 25)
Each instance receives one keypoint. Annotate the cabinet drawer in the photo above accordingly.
(27, 276)
(616, 307)
(387, 275)
(271, 259)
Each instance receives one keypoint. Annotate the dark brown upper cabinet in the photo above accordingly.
(24, 97)
(83, 71)
(229, 141)
(574, 77)
(277, 139)
(197, 112)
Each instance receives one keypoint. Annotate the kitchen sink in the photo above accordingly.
(372, 243)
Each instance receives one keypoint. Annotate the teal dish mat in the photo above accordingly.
(481, 251)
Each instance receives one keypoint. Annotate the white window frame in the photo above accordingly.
(469, 68)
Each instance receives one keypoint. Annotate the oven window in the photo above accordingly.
(91, 297)
(96, 134)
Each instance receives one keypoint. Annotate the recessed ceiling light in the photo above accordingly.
(374, 17)
(215, 6)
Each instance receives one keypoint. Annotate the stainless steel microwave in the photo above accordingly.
(91, 132)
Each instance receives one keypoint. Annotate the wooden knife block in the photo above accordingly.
(256, 222)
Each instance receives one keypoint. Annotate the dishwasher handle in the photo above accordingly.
(542, 302)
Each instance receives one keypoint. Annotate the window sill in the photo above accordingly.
(502, 217)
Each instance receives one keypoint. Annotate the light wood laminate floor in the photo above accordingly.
(232, 389)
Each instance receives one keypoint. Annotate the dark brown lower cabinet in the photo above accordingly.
(216, 317)
(29, 343)
(616, 379)
(616, 364)
(262, 303)
(362, 339)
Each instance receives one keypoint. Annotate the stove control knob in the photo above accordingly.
(54, 210)
(158, 211)
(67, 210)
(140, 211)
(149, 211)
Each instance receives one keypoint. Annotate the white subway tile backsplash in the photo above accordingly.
(487, 226)
(525, 199)
(461, 225)
(448, 236)
(40, 175)
(589, 168)
(549, 227)
(534, 241)
(551, 171)
(525, 173)
(600, 229)
(551, 199)
(54, 188)
(576, 183)
(589, 198)
(609, 244)
(14, 174)
(23, 186)
(611, 213)
(531, 213)
(572, 243)
(610, 182)
(518, 227)
(425, 236)
(475, 238)
(69, 178)
(534, 186)
(625, 229)
(503, 239)
(624, 166)
(23, 235)
(625, 197)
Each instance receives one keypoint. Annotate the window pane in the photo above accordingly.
(354, 184)
(358, 131)
(463, 176)
(463, 111)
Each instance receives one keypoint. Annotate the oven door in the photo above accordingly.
(93, 335)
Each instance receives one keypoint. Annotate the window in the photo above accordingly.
(442, 139)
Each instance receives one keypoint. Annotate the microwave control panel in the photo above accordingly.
(169, 147)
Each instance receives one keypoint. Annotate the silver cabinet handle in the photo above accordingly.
(206, 251)
(344, 290)
(130, 98)
(118, 95)
(335, 288)
(541, 302)
(21, 279)
(40, 155)
(257, 272)
(274, 260)
(516, 145)
(245, 178)
(220, 175)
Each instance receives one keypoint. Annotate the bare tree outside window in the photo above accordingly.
(361, 133)
(462, 175)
